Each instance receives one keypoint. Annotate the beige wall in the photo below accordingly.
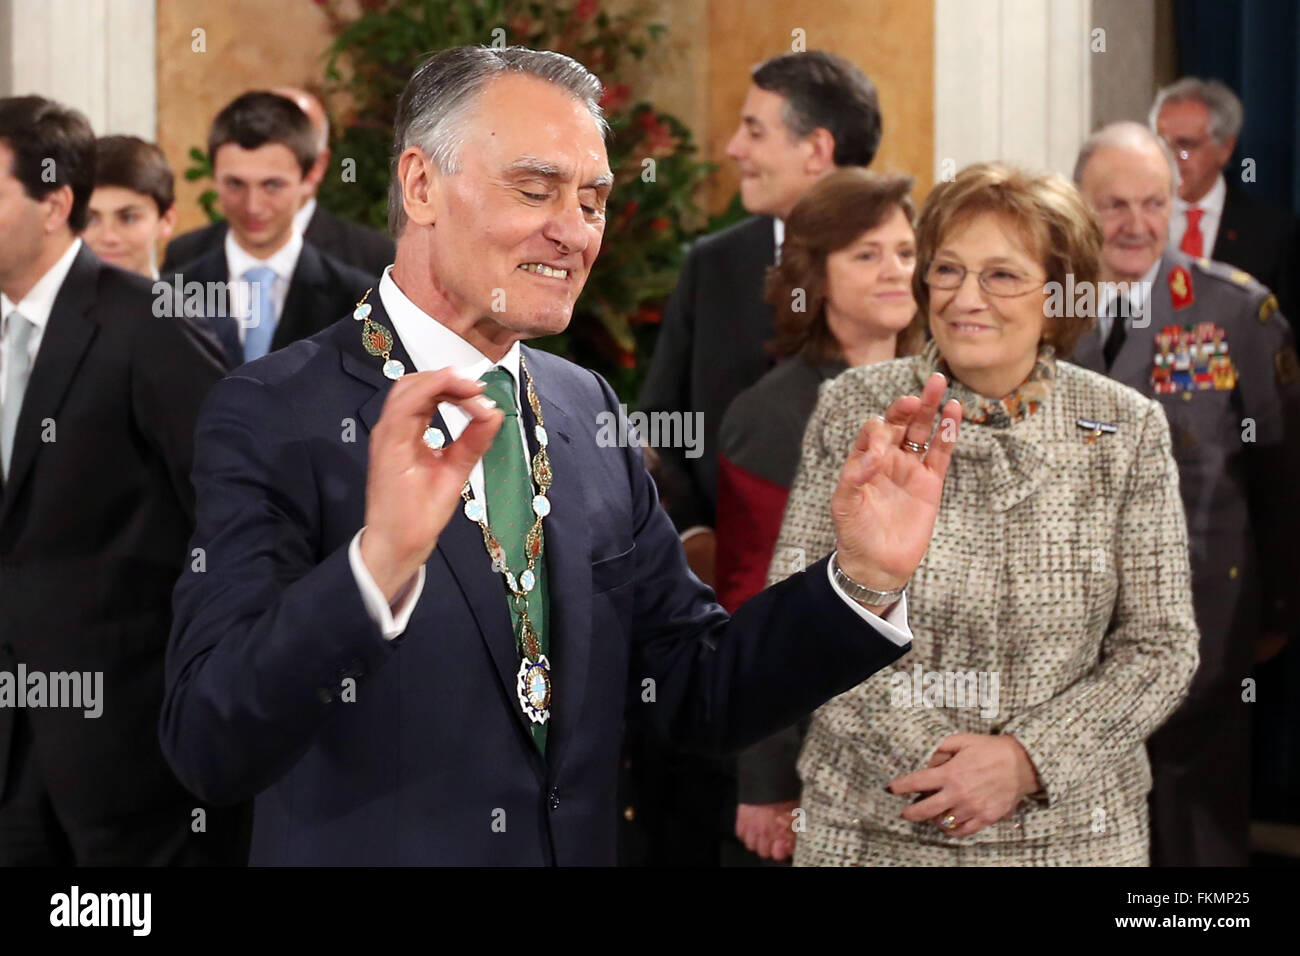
(891, 40)
(700, 73)
(250, 44)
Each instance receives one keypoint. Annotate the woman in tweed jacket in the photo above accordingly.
(1051, 616)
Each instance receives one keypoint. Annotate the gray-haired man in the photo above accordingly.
(1212, 216)
(423, 615)
(1207, 342)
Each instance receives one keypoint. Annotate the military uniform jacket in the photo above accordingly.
(1235, 441)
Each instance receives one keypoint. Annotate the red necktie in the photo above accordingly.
(1192, 238)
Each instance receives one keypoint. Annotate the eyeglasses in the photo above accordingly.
(999, 280)
(1184, 147)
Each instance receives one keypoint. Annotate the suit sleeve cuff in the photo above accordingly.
(392, 621)
(892, 626)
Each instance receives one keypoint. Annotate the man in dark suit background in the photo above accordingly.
(1212, 216)
(280, 288)
(805, 115)
(1232, 397)
(358, 246)
(98, 399)
(387, 648)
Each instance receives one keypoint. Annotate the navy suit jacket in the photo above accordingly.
(321, 289)
(432, 763)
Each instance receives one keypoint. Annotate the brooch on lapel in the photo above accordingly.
(1096, 429)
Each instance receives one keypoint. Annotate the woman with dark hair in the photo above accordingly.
(842, 294)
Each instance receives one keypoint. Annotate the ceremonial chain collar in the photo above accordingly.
(534, 677)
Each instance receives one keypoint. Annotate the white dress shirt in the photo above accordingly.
(1212, 202)
(303, 216)
(431, 345)
(1138, 294)
(238, 261)
(35, 306)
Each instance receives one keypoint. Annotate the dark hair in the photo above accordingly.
(257, 118)
(48, 138)
(827, 91)
(838, 209)
(130, 162)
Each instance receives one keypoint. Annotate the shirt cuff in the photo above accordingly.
(692, 531)
(892, 626)
(392, 621)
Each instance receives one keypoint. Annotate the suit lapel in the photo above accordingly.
(460, 552)
(208, 269)
(68, 334)
(568, 563)
(1133, 364)
(305, 299)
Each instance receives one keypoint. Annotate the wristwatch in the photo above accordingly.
(864, 595)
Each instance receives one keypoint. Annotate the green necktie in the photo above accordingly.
(508, 484)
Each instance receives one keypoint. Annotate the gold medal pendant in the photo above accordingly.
(533, 687)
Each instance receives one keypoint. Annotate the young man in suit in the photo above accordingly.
(280, 288)
(1212, 216)
(423, 615)
(98, 399)
(1208, 342)
(358, 246)
(805, 115)
(133, 207)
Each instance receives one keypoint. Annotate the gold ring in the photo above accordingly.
(910, 445)
(949, 822)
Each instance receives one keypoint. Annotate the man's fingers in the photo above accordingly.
(898, 417)
(415, 397)
(945, 440)
(922, 423)
(464, 453)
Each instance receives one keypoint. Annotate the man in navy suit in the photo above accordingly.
(352, 657)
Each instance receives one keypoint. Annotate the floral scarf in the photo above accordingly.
(997, 412)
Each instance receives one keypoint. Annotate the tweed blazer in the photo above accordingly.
(1053, 604)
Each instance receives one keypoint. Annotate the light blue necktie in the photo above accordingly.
(14, 367)
(257, 338)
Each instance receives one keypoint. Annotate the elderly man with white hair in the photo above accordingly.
(1208, 342)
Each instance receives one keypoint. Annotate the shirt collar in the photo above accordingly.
(303, 216)
(282, 262)
(1137, 292)
(38, 303)
(778, 234)
(431, 345)
(1211, 202)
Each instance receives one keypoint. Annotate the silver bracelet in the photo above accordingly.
(864, 595)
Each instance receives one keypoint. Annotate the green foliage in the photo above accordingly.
(652, 214)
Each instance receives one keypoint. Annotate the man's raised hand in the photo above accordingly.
(888, 496)
(412, 490)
